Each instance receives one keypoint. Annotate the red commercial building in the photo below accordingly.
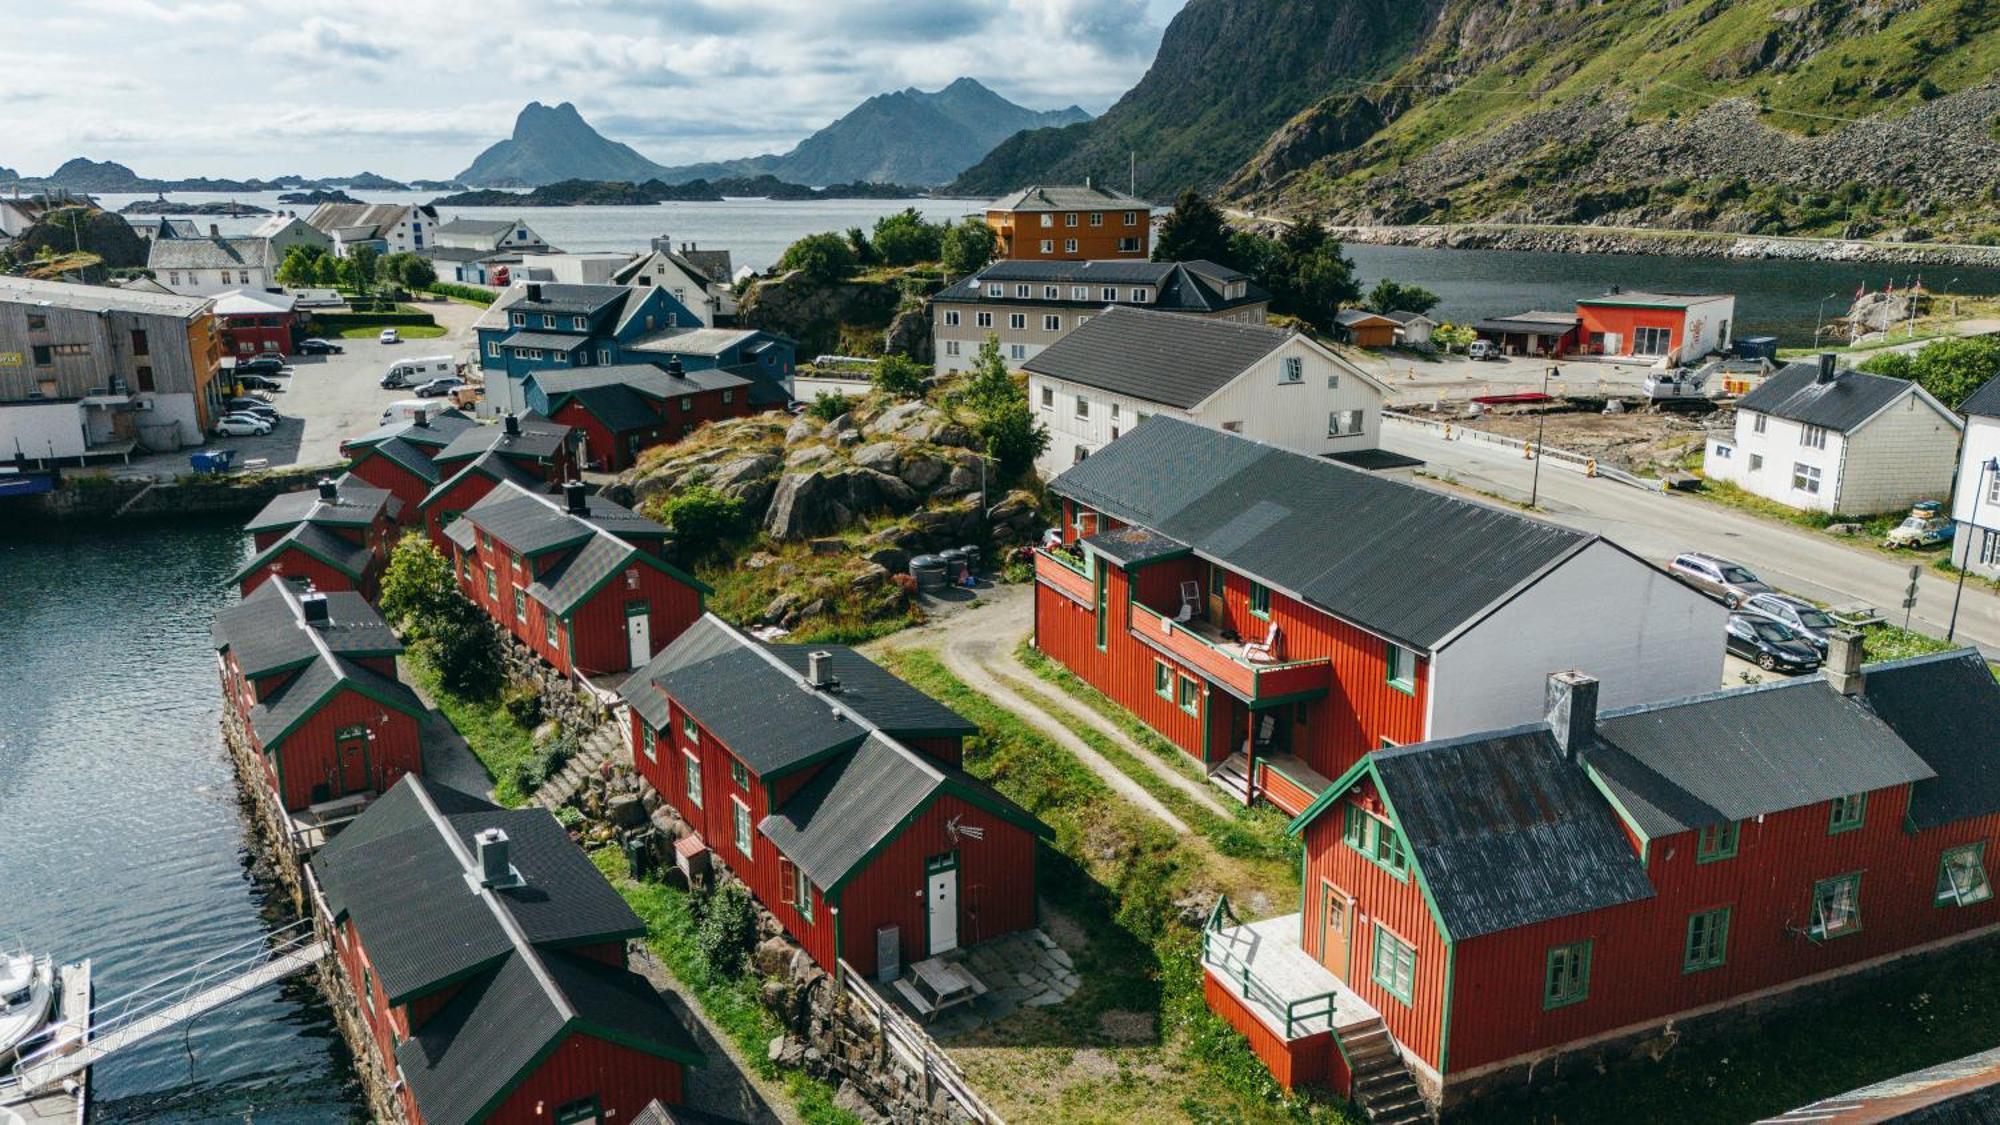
(1477, 908)
(256, 323)
(313, 679)
(620, 410)
(487, 958)
(1277, 616)
(334, 536)
(577, 579)
(833, 790)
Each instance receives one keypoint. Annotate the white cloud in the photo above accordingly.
(415, 88)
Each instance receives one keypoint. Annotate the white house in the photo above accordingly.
(699, 279)
(490, 235)
(1413, 329)
(1125, 365)
(204, 267)
(1823, 439)
(388, 228)
(1976, 500)
(285, 230)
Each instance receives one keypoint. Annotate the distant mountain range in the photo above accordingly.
(86, 175)
(904, 137)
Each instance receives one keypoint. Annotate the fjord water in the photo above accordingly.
(121, 838)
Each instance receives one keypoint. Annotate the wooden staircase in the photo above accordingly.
(1383, 1087)
(600, 746)
(1232, 775)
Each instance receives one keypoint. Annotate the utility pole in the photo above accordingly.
(1991, 464)
(1541, 423)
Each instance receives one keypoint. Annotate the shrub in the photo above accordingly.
(970, 245)
(465, 650)
(727, 931)
(570, 817)
(900, 376)
(822, 257)
(701, 517)
(828, 407)
(905, 238)
(471, 293)
(523, 704)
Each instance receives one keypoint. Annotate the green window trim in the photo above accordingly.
(1377, 841)
(1163, 680)
(1393, 964)
(492, 584)
(550, 631)
(1190, 695)
(1836, 907)
(740, 816)
(740, 774)
(1260, 600)
(1848, 813)
(1707, 943)
(1717, 842)
(1218, 578)
(1962, 877)
(802, 893)
(1566, 976)
(689, 730)
(649, 743)
(1400, 668)
(691, 772)
(520, 604)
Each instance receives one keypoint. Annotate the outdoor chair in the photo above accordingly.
(1264, 651)
(1190, 601)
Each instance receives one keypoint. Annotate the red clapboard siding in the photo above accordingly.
(621, 1078)
(702, 408)
(308, 755)
(1380, 899)
(1067, 632)
(295, 563)
(597, 641)
(459, 498)
(948, 749)
(604, 449)
(996, 884)
(1282, 791)
(1311, 1061)
(1637, 949)
(377, 469)
(375, 1010)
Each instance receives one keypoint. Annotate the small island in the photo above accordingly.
(614, 193)
(317, 196)
(165, 206)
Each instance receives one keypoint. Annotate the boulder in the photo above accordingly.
(922, 471)
(849, 1099)
(900, 416)
(778, 608)
(770, 956)
(871, 576)
(882, 456)
(848, 439)
(802, 428)
(730, 474)
(829, 546)
(807, 455)
(964, 478)
(891, 559)
(626, 811)
(840, 425)
(909, 334)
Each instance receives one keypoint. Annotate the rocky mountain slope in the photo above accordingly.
(552, 143)
(1830, 117)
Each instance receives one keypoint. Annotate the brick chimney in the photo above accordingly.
(1572, 710)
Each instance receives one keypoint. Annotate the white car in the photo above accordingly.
(242, 425)
(389, 336)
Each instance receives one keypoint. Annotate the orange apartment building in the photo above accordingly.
(1087, 223)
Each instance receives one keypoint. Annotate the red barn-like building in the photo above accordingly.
(488, 958)
(577, 579)
(335, 536)
(255, 322)
(529, 450)
(833, 790)
(623, 409)
(313, 678)
(1476, 908)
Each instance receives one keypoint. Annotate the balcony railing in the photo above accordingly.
(1224, 663)
(1065, 574)
(1297, 1015)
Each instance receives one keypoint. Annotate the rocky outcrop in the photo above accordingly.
(1600, 240)
(909, 334)
(815, 312)
(1333, 125)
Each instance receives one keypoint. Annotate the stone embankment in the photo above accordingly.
(97, 499)
(1685, 243)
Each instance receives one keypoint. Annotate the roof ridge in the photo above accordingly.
(563, 512)
(1734, 692)
(1923, 658)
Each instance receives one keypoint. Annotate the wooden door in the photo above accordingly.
(351, 754)
(941, 897)
(1336, 933)
(1218, 608)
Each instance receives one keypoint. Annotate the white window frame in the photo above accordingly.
(1805, 478)
(1051, 322)
(1291, 370)
(1812, 437)
(951, 318)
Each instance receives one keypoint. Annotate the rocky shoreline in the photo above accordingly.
(1682, 243)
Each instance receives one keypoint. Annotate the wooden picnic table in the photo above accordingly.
(938, 986)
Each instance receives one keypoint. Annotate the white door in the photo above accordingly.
(639, 636)
(942, 897)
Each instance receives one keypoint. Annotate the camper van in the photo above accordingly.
(410, 372)
(407, 409)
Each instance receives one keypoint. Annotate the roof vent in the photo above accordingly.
(819, 670)
(511, 425)
(1843, 661)
(318, 613)
(674, 367)
(1572, 710)
(421, 419)
(328, 490)
(534, 291)
(575, 499)
(495, 870)
(1826, 371)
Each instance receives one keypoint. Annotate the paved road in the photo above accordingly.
(1658, 526)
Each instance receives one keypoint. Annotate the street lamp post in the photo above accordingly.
(1991, 464)
(1821, 318)
(1541, 423)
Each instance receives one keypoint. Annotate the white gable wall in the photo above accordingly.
(1643, 635)
(1904, 454)
(1974, 505)
(1781, 447)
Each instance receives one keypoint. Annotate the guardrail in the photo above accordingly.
(1561, 458)
(916, 1048)
(1220, 958)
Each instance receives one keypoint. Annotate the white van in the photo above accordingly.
(407, 409)
(410, 372)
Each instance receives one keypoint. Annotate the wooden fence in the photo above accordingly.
(914, 1046)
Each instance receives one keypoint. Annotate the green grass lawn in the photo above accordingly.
(1873, 527)
(495, 738)
(406, 331)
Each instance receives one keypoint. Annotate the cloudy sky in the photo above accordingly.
(416, 88)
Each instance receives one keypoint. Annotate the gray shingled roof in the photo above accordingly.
(539, 439)
(1985, 401)
(1946, 707)
(1795, 392)
(1347, 541)
(1507, 831)
(206, 253)
(437, 432)
(531, 522)
(407, 454)
(1161, 357)
(274, 717)
(1195, 286)
(266, 633)
(644, 378)
(354, 505)
(549, 341)
(1068, 197)
(477, 226)
(1741, 753)
(563, 585)
(491, 465)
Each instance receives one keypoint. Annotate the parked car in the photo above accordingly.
(389, 336)
(1482, 349)
(258, 383)
(1797, 614)
(242, 425)
(1773, 646)
(1925, 526)
(317, 346)
(262, 365)
(262, 410)
(438, 388)
(1728, 582)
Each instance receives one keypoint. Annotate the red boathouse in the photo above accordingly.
(335, 536)
(624, 409)
(529, 450)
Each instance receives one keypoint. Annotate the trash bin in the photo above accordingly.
(928, 570)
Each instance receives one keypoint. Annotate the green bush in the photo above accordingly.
(326, 324)
(905, 238)
(967, 246)
(727, 931)
(471, 293)
(702, 518)
(828, 407)
(523, 703)
(822, 257)
(900, 376)
(465, 649)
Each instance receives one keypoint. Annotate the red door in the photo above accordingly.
(351, 749)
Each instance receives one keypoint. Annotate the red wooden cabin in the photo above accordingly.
(577, 579)
(1392, 613)
(531, 451)
(833, 790)
(623, 409)
(335, 536)
(488, 958)
(313, 678)
(1497, 901)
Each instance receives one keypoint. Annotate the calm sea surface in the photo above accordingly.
(1775, 298)
(120, 835)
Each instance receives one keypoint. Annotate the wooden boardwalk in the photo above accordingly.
(64, 1058)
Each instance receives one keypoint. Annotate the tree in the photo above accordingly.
(418, 587)
(1006, 426)
(407, 270)
(822, 257)
(701, 517)
(1194, 229)
(1950, 369)
(1314, 278)
(900, 376)
(326, 272)
(905, 238)
(300, 269)
(967, 246)
(1451, 337)
(1390, 296)
(864, 250)
(365, 261)
(455, 637)
(988, 382)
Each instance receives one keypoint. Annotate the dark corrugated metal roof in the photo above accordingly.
(1375, 460)
(265, 632)
(344, 555)
(1507, 832)
(619, 408)
(1795, 392)
(1403, 561)
(1161, 357)
(563, 585)
(849, 806)
(644, 378)
(1744, 752)
(1196, 286)
(530, 522)
(1946, 707)
(551, 341)
(1133, 544)
(354, 505)
(1985, 401)
(491, 465)
(539, 438)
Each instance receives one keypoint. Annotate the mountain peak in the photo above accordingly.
(554, 143)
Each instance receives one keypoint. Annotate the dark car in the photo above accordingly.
(438, 388)
(250, 406)
(1773, 646)
(1800, 616)
(259, 383)
(317, 346)
(260, 365)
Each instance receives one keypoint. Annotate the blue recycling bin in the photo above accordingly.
(212, 461)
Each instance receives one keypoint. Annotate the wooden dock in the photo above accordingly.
(69, 1102)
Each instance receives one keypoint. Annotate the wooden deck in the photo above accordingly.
(1263, 964)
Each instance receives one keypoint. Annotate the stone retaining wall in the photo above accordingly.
(104, 499)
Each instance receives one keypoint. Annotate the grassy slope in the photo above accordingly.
(494, 737)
